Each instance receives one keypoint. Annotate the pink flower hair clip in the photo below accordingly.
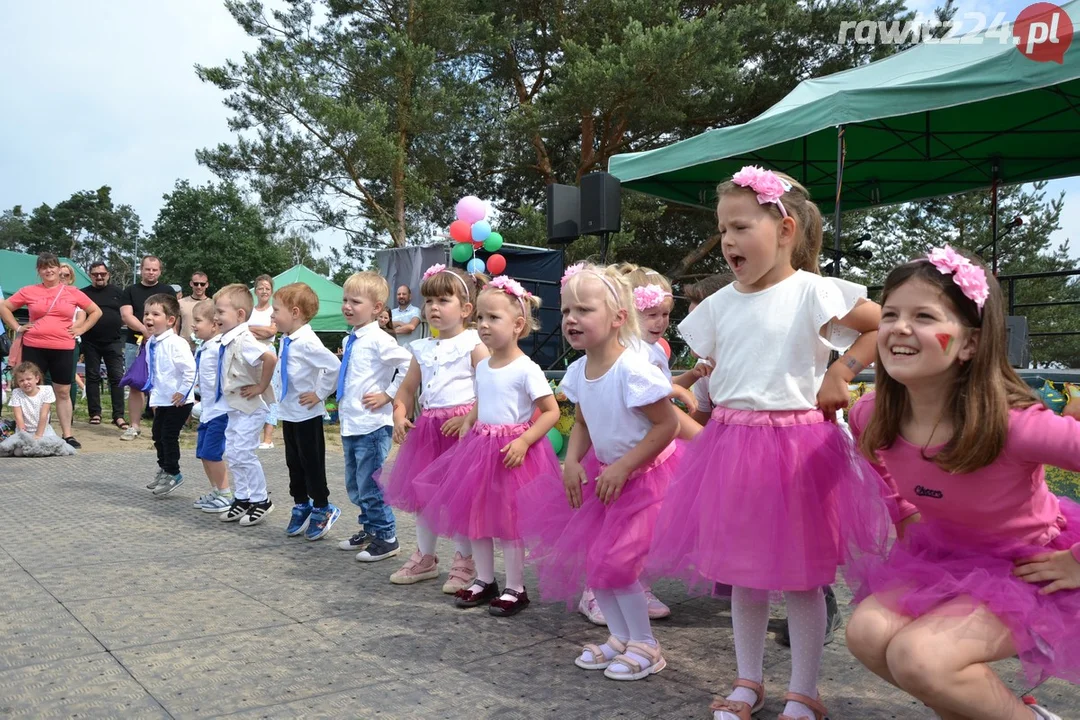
(440, 268)
(580, 267)
(649, 296)
(769, 186)
(969, 277)
(571, 272)
(513, 288)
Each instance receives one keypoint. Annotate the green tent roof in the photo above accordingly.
(329, 318)
(17, 270)
(933, 120)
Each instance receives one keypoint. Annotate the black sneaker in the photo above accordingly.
(257, 512)
(379, 549)
(833, 622)
(237, 510)
(357, 542)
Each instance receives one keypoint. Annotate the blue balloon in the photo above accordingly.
(480, 230)
(476, 265)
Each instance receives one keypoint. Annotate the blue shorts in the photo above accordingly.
(211, 443)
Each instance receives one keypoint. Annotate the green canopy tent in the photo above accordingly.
(937, 119)
(329, 318)
(17, 270)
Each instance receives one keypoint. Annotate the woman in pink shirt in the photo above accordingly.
(987, 564)
(49, 338)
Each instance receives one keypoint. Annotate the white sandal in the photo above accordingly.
(634, 670)
(599, 664)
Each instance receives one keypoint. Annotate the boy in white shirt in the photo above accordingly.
(372, 369)
(244, 369)
(214, 418)
(170, 379)
(307, 373)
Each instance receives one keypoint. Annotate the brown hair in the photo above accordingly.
(799, 206)
(168, 303)
(453, 282)
(697, 292)
(299, 295)
(239, 296)
(27, 367)
(986, 387)
(265, 278)
(153, 258)
(527, 308)
(47, 260)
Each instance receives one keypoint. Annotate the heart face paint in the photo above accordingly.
(946, 341)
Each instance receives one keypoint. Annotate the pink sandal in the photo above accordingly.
(600, 661)
(738, 708)
(820, 713)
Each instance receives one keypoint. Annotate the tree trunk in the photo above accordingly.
(679, 269)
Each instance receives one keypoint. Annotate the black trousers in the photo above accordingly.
(168, 421)
(305, 455)
(113, 356)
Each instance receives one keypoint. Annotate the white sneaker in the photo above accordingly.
(587, 606)
(131, 433)
(266, 446)
(657, 609)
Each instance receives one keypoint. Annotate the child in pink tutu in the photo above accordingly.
(597, 525)
(472, 490)
(771, 496)
(443, 370)
(988, 561)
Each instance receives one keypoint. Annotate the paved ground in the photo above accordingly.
(117, 604)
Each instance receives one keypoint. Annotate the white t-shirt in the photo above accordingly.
(610, 402)
(31, 406)
(446, 369)
(701, 391)
(263, 318)
(771, 348)
(207, 381)
(409, 314)
(505, 395)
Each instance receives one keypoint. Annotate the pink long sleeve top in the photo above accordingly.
(1006, 503)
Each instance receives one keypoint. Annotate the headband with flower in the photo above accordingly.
(513, 288)
(649, 296)
(580, 267)
(969, 277)
(440, 268)
(769, 186)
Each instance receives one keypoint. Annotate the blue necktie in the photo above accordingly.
(220, 362)
(284, 363)
(151, 354)
(198, 356)
(344, 367)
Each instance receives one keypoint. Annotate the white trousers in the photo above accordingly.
(241, 442)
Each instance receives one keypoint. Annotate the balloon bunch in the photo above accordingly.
(472, 232)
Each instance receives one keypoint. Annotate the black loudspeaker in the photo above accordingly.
(563, 202)
(600, 211)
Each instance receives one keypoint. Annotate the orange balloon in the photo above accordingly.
(667, 348)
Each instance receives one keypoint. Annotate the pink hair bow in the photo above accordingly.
(969, 277)
(513, 288)
(649, 296)
(767, 184)
(434, 270)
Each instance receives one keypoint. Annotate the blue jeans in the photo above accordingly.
(364, 454)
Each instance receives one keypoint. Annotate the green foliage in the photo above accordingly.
(86, 227)
(215, 230)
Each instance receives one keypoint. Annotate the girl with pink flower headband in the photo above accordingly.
(443, 371)
(472, 490)
(987, 564)
(772, 496)
(591, 525)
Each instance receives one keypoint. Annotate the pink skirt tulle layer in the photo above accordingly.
(931, 567)
(424, 443)
(601, 546)
(469, 491)
(769, 501)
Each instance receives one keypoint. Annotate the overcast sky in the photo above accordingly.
(103, 92)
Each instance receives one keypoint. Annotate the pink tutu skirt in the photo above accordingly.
(771, 501)
(469, 491)
(424, 443)
(930, 567)
(596, 545)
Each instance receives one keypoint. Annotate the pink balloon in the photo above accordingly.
(664, 344)
(461, 231)
(471, 209)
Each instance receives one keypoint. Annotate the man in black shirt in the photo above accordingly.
(132, 301)
(103, 342)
